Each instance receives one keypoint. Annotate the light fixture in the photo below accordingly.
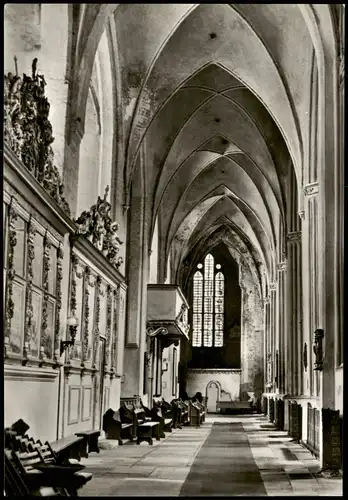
(72, 324)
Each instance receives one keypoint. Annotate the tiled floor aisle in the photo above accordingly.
(286, 468)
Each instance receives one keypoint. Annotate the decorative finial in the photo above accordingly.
(16, 65)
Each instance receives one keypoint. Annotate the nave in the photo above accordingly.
(238, 455)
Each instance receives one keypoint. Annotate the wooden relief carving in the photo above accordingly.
(97, 226)
(58, 304)
(96, 322)
(75, 352)
(114, 333)
(85, 316)
(9, 311)
(108, 325)
(28, 131)
(28, 326)
(46, 268)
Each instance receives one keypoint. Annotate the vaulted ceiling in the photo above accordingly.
(217, 97)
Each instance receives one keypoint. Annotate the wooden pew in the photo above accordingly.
(195, 414)
(37, 473)
(158, 413)
(91, 437)
(146, 431)
(184, 412)
(15, 486)
(117, 428)
(70, 447)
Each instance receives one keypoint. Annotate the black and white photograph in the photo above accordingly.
(173, 249)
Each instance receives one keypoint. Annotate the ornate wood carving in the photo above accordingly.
(96, 322)
(28, 325)
(97, 226)
(28, 131)
(114, 333)
(12, 242)
(46, 268)
(85, 316)
(73, 302)
(108, 325)
(58, 304)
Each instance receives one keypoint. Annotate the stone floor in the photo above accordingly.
(286, 467)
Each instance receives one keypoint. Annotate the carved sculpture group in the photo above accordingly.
(28, 131)
(97, 226)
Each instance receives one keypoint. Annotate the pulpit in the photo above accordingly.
(167, 323)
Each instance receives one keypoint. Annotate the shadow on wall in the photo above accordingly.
(253, 390)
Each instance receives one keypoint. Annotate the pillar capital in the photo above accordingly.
(294, 236)
(273, 286)
(281, 266)
(311, 189)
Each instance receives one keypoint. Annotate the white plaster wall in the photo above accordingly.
(35, 401)
(41, 31)
(339, 389)
(115, 394)
(167, 376)
(153, 274)
(197, 380)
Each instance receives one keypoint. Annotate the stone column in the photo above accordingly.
(71, 166)
(251, 333)
(137, 253)
(282, 337)
(273, 309)
(294, 314)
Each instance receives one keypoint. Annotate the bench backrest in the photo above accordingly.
(14, 484)
(27, 460)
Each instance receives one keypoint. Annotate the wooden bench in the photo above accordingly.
(147, 431)
(233, 406)
(70, 447)
(184, 412)
(15, 486)
(195, 414)
(114, 428)
(160, 410)
(37, 473)
(91, 438)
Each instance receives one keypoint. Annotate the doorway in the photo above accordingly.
(213, 397)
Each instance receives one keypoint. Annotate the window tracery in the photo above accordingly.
(208, 304)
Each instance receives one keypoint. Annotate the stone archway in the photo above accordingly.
(213, 394)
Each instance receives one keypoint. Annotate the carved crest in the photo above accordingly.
(28, 131)
(97, 226)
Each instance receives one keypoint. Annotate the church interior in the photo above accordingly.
(173, 221)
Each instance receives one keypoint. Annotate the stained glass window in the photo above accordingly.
(208, 305)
